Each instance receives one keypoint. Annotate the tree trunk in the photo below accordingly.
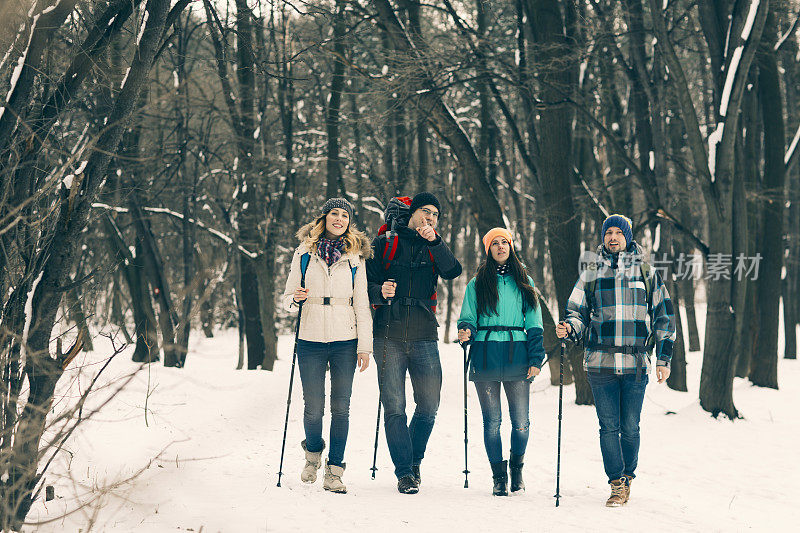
(553, 64)
(748, 157)
(148, 253)
(791, 300)
(134, 272)
(764, 368)
(335, 185)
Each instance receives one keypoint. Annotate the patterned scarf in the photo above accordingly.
(330, 249)
(502, 269)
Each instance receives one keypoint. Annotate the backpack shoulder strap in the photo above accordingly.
(389, 249)
(353, 271)
(590, 285)
(304, 259)
(647, 278)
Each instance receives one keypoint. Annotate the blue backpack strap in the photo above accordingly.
(353, 271)
(304, 259)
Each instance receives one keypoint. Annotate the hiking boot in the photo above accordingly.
(515, 466)
(619, 493)
(407, 485)
(313, 463)
(628, 480)
(417, 477)
(500, 478)
(333, 478)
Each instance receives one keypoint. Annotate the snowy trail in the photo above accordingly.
(222, 431)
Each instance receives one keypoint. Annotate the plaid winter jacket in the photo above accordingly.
(619, 314)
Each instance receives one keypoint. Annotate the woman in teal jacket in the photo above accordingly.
(501, 319)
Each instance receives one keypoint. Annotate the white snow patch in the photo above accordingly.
(729, 79)
(792, 147)
(29, 316)
(713, 140)
(125, 78)
(224, 488)
(652, 160)
(751, 17)
(142, 27)
(20, 63)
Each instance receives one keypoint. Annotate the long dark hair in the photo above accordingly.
(486, 284)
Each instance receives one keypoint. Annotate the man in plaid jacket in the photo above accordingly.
(621, 309)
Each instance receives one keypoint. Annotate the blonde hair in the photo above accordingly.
(350, 235)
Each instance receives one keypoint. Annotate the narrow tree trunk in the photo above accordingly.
(791, 299)
(75, 308)
(546, 26)
(148, 252)
(332, 116)
(764, 369)
(133, 269)
(748, 157)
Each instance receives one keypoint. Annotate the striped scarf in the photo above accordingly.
(330, 249)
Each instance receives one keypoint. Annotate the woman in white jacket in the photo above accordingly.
(335, 329)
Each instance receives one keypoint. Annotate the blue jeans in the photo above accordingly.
(618, 401)
(518, 396)
(313, 359)
(420, 359)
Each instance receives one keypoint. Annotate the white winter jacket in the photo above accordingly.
(340, 321)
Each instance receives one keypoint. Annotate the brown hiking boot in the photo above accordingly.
(628, 480)
(619, 493)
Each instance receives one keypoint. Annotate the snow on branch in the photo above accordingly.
(20, 64)
(785, 38)
(713, 140)
(164, 211)
(733, 68)
(751, 18)
(790, 158)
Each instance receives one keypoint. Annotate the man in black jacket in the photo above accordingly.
(415, 260)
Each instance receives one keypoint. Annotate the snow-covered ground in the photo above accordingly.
(205, 452)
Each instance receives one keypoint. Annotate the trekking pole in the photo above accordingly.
(380, 385)
(291, 382)
(560, 396)
(466, 370)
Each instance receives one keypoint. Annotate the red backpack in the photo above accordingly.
(398, 212)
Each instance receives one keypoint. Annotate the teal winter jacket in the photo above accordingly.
(498, 354)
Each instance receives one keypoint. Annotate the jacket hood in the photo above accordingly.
(362, 246)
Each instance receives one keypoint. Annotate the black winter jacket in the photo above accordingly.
(411, 316)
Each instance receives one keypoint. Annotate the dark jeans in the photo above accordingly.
(313, 359)
(518, 396)
(420, 359)
(618, 400)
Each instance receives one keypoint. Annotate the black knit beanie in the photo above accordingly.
(424, 198)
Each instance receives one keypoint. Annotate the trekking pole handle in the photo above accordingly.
(389, 300)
